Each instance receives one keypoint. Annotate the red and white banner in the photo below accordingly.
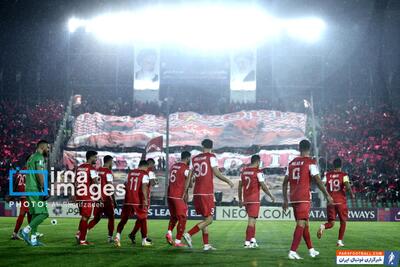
(240, 129)
(227, 161)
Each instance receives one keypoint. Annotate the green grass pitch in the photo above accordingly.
(274, 238)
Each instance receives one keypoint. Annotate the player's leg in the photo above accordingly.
(136, 228)
(331, 220)
(181, 212)
(250, 232)
(18, 223)
(204, 206)
(125, 214)
(307, 239)
(85, 212)
(343, 216)
(172, 221)
(109, 211)
(38, 209)
(141, 214)
(97, 212)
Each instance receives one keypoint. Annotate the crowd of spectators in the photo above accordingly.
(22, 125)
(367, 138)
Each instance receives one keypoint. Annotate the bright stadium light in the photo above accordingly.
(74, 24)
(307, 29)
(204, 26)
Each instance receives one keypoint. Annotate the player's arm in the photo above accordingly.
(188, 179)
(266, 190)
(240, 194)
(321, 187)
(218, 174)
(39, 166)
(285, 204)
(145, 189)
(346, 182)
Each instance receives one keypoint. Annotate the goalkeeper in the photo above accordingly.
(35, 183)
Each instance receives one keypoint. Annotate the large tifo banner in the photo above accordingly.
(226, 160)
(240, 129)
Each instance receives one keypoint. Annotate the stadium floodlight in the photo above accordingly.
(306, 29)
(204, 26)
(75, 23)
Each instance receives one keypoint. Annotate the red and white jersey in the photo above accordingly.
(85, 174)
(335, 186)
(133, 187)
(20, 180)
(177, 178)
(203, 165)
(251, 179)
(106, 177)
(300, 171)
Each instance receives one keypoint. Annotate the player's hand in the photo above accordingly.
(231, 184)
(285, 205)
(186, 198)
(352, 195)
(272, 199)
(240, 204)
(330, 200)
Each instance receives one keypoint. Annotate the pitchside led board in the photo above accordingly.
(243, 75)
(146, 76)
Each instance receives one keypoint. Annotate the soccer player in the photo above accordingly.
(299, 174)
(107, 203)
(205, 166)
(152, 182)
(19, 186)
(179, 180)
(252, 178)
(337, 182)
(35, 183)
(86, 175)
(136, 202)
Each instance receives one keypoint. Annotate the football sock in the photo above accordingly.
(110, 226)
(143, 228)
(172, 223)
(29, 217)
(194, 230)
(83, 230)
(306, 236)
(328, 225)
(37, 220)
(342, 229)
(136, 227)
(19, 222)
(205, 238)
(249, 233)
(93, 222)
(27, 229)
(181, 227)
(298, 233)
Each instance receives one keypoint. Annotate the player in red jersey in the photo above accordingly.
(337, 182)
(136, 202)
(152, 183)
(205, 166)
(252, 178)
(19, 186)
(179, 180)
(106, 204)
(299, 174)
(86, 175)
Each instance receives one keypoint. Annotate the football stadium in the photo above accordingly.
(199, 133)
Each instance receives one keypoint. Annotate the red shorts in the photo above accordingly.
(85, 208)
(24, 206)
(338, 209)
(301, 210)
(106, 208)
(138, 210)
(177, 207)
(204, 205)
(252, 209)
